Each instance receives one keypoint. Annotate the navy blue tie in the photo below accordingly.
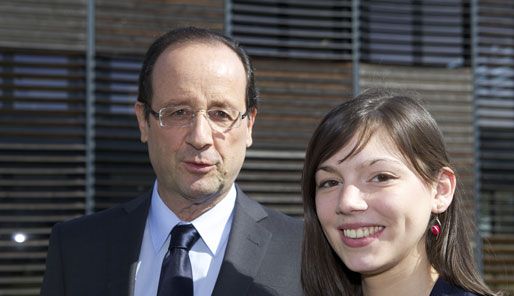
(176, 274)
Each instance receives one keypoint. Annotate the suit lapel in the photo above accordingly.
(247, 245)
(125, 244)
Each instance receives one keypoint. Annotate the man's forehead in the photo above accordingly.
(193, 52)
(200, 44)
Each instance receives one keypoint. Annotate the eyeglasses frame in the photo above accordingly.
(158, 116)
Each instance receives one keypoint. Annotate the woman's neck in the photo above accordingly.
(412, 279)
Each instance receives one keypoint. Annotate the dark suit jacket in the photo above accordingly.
(444, 288)
(95, 255)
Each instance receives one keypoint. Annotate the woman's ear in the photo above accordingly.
(444, 190)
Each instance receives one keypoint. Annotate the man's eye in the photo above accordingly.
(179, 113)
(220, 115)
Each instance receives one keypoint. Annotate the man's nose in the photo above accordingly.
(200, 132)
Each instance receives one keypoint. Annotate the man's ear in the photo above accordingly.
(139, 109)
(251, 120)
(444, 190)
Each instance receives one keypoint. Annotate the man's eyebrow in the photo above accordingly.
(220, 102)
(217, 103)
(177, 102)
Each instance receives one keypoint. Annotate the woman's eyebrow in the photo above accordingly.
(374, 161)
(326, 168)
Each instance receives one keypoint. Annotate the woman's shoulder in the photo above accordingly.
(444, 288)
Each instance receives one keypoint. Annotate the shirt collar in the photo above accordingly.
(210, 225)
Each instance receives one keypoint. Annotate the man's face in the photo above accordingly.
(196, 164)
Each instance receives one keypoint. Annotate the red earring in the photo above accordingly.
(436, 227)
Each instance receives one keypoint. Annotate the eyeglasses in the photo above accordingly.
(220, 119)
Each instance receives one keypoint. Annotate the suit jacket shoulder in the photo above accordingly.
(263, 252)
(92, 255)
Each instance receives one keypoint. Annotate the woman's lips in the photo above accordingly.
(360, 236)
(362, 232)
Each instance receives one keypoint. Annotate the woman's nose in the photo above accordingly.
(351, 200)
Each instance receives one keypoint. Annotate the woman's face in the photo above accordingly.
(373, 208)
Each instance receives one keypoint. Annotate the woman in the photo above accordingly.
(382, 214)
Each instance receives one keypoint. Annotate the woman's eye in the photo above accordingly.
(328, 184)
(383, 178)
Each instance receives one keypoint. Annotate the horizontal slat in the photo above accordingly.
(306, 33)
(128, 27)
(306, 44)
(300, 3)
(499, 261)
(36, 218)
(421, 33)
(294, 29)
(26, 244)
(42, 206)
(288, 11)
(20, 280)
(329, 25)
(273, 165)
(43, 24)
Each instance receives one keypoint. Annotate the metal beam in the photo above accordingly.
(474, 65)
(356, 46)
(228, 18)
(90, 109)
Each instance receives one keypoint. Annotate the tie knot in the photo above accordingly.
(183, 236)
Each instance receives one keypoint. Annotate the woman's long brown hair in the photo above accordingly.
(416, 135)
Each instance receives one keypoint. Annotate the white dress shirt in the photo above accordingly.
(206, 254)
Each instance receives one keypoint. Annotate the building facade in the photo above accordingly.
(69, 143)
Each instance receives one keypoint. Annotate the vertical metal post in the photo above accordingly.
(90, 109)
(228, 18)
(476, 129)
(356, 46)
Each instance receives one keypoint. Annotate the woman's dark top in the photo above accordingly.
(443, 288)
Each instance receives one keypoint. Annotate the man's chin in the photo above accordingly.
(204, 193)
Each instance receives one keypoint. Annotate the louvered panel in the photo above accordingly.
(130, 26)
(495, 100)
(122, 168)
(499, 261)
(42, 163)
(272, 177)
(495, 94)
(294, 29)
(497, 164)
(447, 94)
(295, 94)
(429, 32)
(47, 24)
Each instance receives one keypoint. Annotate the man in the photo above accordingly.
(196, 108)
